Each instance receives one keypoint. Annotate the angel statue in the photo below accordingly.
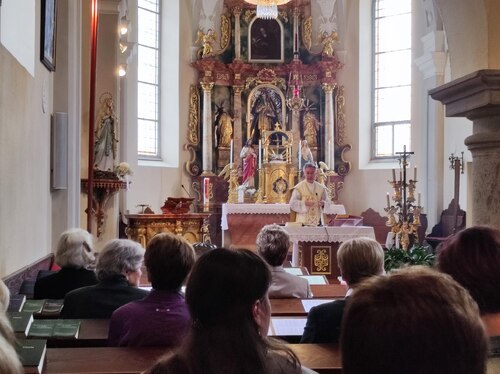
(328, 40)
(206, 40)
(105, 135)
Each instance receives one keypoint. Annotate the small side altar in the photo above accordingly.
(194, 227)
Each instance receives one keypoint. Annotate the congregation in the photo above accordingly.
(412, 320)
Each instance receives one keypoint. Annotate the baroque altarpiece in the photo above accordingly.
(266, 102)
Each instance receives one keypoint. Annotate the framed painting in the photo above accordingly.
(48, 34)
(265, 41)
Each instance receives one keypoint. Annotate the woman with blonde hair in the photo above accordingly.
(9, 362)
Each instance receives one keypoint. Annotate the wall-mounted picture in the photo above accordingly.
(265, 41)
(48, 34)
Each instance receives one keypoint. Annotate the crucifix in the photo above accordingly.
(456, 164)
(403, 161)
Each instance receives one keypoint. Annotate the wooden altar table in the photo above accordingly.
(240, 223)
(316, 247)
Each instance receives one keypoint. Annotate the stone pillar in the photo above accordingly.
(207, 128)
(237, 33)
(329, 141)
(237, 129)
(432, 64)
(477, 97)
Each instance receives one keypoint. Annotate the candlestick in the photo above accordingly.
(419, 199)
(231, 155)
(388, 200)
(393, 175)
(260, 154)
(206, 192)
(415, 173)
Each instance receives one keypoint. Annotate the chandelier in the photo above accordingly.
(267, 9)
(295, 96)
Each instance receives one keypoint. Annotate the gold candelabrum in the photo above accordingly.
(404, 214)
(233, 184)
(261, 198)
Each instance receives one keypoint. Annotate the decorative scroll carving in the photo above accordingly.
(225, 31)
(194, 104)
(307, 33)
(266, 75)
(340, 110)
(193, 166)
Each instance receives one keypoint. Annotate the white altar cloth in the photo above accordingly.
(264, 209)
(330, 234)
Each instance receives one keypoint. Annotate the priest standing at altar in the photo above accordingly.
(309, 198)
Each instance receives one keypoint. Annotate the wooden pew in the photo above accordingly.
(323, 358)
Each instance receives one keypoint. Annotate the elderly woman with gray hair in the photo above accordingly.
(119, 272)
(75, 256)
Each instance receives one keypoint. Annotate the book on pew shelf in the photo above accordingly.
(55, 328)
(309, 303)
(33, 306)
(20, 321)
(31, 353)
(315, 279)
(294, 271)
(16, 303)
(287, 326)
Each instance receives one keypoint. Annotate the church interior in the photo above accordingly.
(294, 88)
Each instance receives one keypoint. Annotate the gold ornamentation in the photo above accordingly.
(194, 104)
(206, 40)
(248, 15)
(340, 116)
(207, 86)
(225, 32)
(236, 10)
(328, 87)
(233, 186)
(321, 260)
(307, 33)
(328, 40)
(192, 166)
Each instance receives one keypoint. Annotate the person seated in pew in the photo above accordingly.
(358, 259)
(472, 258)
(119, 272)
(9, 362)
(415, 320)
(272, 245)
(161, 318)
(76, 257)
(227, 295)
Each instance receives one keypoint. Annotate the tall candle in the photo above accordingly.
(388, 200)
(206, 192)
(260, 154)
(415, 173)
(231, 155)
(419, 199)
(300, 156)
(393, 175)
(329, 155)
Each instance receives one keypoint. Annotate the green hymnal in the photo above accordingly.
(57, 328)
(31, 353)
(52, 307)
(33, 306)
(20, 321)
(16, 302)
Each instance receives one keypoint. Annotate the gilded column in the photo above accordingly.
(238, 136)
(207, 128)
(237, 33)
(329, 141)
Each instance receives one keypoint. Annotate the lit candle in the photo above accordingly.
(419, 199)
(260, 154)
(328, 156)
(300, 156)
(415, 173)
(206, 195)
(231, 155)
(393, 175)
(388, 200)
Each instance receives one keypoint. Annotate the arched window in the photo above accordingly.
(391, 88)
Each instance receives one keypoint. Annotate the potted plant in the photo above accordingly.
(396, 258)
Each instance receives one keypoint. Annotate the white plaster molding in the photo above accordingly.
(433, 61)
(109, 6)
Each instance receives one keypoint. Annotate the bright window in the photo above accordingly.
(391, 77)
(148, 79)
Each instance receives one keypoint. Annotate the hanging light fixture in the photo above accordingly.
(267, 9)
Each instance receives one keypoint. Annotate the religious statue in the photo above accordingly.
(206, 41)
(328, 40)
(311, 127)
(105, 135)
(305, 153)
(264, 116)
(249, 158)
(223, 128)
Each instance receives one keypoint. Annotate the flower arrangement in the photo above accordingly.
(123, 169)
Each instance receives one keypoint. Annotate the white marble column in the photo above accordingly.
(329, 141)
(237, 129)
(207, 128)
(237, 33)
(432, 64)
(296, 13)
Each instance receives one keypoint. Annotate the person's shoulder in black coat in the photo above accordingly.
(323, 323)
(56, 286)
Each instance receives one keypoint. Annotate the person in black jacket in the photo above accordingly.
(119, 273)
(358, 259)
(76, 257)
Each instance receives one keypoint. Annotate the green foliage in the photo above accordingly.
(396, 258)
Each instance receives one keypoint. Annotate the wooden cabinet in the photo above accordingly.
(194, 227)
